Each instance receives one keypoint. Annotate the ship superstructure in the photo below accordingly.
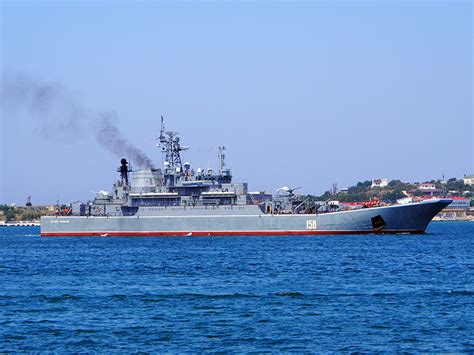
(177, 199)
(176, 185)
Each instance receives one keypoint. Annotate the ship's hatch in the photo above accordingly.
(377, 222)
(129, 211)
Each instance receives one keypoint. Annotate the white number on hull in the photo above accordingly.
(311, 224)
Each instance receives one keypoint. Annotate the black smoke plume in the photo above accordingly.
(109, 136)
(59, 115)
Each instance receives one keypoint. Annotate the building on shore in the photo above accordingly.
(468, 180)
(459, 203)
(459, 209)
(428, 188)
(379, 183)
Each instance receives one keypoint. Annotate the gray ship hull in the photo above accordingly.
(247, 220)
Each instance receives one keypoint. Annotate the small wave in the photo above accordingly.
(379, 327)
(7, 297)
(56, 299)
(119, 297)
(215, 296)
(126, 331)
(32, 310)
(161, 336)
(460, 292)
(290, 294)
(135, 327)
(156, 298)
(207, 307)
(14, 337)
(85, 331)
(151, 300)
(385, 294)
(84, 342)
(57, 309)
(232, 295)
(51, 331)
(248, 340)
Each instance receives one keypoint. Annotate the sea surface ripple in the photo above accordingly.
(238, 294)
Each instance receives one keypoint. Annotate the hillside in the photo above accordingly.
(26, 214)
(397, 189)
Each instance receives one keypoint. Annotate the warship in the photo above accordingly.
(177, 200)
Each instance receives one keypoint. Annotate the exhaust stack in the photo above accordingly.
(123, 169)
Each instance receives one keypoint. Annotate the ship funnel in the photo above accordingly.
(124, 171)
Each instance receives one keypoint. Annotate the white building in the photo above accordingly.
(379, 183)
(469, 179)
(427, 186)
(459, 203)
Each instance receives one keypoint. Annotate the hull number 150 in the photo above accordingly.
(311, 224)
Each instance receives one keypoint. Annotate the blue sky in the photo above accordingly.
(302, 93)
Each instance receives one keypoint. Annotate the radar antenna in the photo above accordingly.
(170, 145)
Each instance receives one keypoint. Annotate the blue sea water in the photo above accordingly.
(238, 294)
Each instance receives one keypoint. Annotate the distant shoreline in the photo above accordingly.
(21, 224)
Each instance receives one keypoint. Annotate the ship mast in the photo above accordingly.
(169, 142)
(221, 157)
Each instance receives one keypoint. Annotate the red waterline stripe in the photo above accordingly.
(219, 233)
